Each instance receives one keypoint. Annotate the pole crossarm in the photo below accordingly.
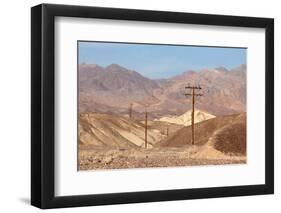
(193, 87)
(186, 94)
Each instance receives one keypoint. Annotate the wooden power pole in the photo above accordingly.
(130, 110)
(145, 131)
(193, 94)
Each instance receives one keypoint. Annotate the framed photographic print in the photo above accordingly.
(139, 106)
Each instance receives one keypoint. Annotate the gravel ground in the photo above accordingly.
(93, 159)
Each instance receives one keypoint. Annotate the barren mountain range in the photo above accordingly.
(113, 88)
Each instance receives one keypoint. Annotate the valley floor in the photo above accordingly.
(95, 159)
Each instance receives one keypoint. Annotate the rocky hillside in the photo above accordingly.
(226, 132)
(231, 139)
(225, 90)
(112, 89)
(103, 130)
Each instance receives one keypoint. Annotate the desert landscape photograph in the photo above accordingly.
(160, 105)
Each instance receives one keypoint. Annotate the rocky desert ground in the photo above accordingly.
(155, 157)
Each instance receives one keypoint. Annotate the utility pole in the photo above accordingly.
(145, 130)
(193, 94)
(130, 110)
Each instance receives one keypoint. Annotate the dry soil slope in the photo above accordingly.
(206, 129)
(105, 130)
(231, 139)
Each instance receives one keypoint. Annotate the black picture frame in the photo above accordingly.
(43, 102)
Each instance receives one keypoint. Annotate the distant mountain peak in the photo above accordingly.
(242, 67)
(85, 65)
(185, 74)
(221, 68)
(115, 67)
(189, 72)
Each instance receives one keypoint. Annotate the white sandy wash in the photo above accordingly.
(185, 119)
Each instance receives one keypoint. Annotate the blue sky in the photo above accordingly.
(160, 61)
